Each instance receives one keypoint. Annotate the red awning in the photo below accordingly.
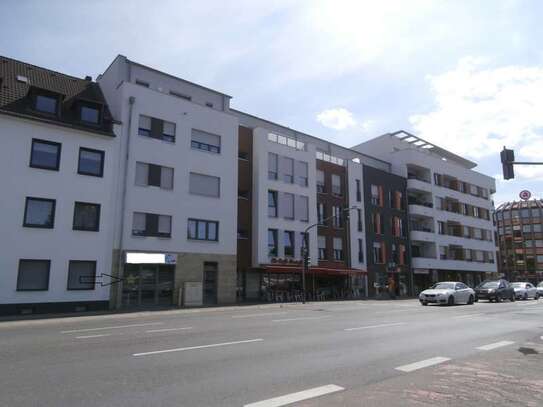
(276, 268)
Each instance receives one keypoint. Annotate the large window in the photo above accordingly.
(33, 275)
(206, 185)
(46, 104)
(287, 205)
(336, 184)
(150, 224)
(90, 114)
(320, 213)
(154, 175)
(337, 221)
(378, 255)
(202, 140)
(273, 160)
(302, 208)
(91, 162)
(321, 240)
(81, 275)
(288, 243)
(45, 154)
(338, 248)
(376, 223)
(360, 251)
(199, 229)
(301, 173)
(272, 242)
(320, 182)
(287, 169)
(272, 204)
(359, 219)
(358, 191)
(39, 213)
(156, 128)
(86, 216)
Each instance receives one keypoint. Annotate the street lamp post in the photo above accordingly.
(305, 248)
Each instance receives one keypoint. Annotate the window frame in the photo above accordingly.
(102, 158)
(97, 227)
(70, 262)
(52, 143)
(46, 94)
(207, 222)
(150, 234)
(90, 105)
(48, 261)
(53, 209)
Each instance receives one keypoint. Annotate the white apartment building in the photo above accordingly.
(450, 206)
(59, 160)
(177, 202)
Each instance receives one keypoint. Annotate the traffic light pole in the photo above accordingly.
(305, 248)
(507, 157)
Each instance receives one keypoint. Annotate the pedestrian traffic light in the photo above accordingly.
(307, 261)
(508, 158)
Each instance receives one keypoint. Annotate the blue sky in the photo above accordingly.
(466, 75)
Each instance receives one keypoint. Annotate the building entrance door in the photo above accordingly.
(147, 285)
(210, 283)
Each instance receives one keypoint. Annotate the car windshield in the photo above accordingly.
(540, 284)
(517, 285)
(443, 286)
(490, 284)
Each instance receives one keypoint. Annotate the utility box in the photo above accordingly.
(192, 294)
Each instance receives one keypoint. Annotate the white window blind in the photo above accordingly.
(166, 178)
(338, 243)
(321, 242)
(206, 185)
(286, 205)
(142, 174)
(206, 138)
(302, 208)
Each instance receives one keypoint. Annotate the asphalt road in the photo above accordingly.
(360, 353)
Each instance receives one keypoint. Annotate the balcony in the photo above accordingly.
(418, 184)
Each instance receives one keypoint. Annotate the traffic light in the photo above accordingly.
(307, 261)
(508, 158)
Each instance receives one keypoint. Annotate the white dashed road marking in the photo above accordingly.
(467, 316)
(109, 327)
(214, 345)
(359, 328)
(495, 345)
(168, 329)
(296, 397)
(423, 363)
(263, 314)
(91, 336)
(298, 319)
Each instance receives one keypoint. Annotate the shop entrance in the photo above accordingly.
(148, 285)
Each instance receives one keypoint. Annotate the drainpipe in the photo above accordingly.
(120, 259)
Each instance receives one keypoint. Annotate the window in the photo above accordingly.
(359, 221)
(441, 228)
(301, 173)
(288, 243)
(537, 227)
(377, 195)
(336, 217)
(338, 248)
(302, 208)
(149, 224)
(91, 162)
(397, 200)
(86, 216)
(89, 114)
(437, 179)
(39, 213)
(156, 128)
(272, 166)
(272, 204)
(202, 140)
(320, 182)
(320, 213)
(272, 242)
(524, 213)
(46, 104)
(206, 185)
(526, 228)
(304, 243)
(180, 95)
(336, 184)
(378, 257)
(154, 175)
(81, 275)
(142, 83)
(199, 229)
(358, 191)
(287, 169)
(360, 251)
(322, 247)
(287, 205)
(33, 275)
(376, 223)
(401, 259)
(45, 154)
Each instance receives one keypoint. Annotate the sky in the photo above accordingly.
(464, 75)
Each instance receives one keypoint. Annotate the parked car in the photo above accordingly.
(495, 290)
(524, 290)
(447, 292)
(540, 289)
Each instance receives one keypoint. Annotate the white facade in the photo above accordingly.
(60, 244)
(419, 163)
(357, 225)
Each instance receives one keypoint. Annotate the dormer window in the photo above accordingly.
(90, 114)
(46, 104)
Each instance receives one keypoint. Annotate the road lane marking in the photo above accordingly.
(298, 319)
(214, 345)
(393, 311)
(259, 315)
(467, 316)
(423, 363)
(495, 345)
(109, 327)
(359, 328)
(296, 397)
(91, 336)
(168, 329)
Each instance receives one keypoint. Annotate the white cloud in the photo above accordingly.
(480, 109)
(337, 118)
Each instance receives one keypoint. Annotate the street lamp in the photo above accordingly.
(305, 249)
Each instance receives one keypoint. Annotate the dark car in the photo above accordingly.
(495, 290)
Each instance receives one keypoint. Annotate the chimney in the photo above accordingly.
(88, 78)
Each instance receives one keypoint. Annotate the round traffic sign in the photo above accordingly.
(525, 195)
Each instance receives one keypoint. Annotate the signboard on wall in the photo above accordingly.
(170, 258)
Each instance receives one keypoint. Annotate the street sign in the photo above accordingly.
(525, 195)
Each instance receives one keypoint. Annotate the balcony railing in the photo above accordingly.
(417, 177)
(415, 201)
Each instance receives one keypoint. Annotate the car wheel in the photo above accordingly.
(424, 303)
(513, 298)
(536, 297)
(471, 300)
(450, 301)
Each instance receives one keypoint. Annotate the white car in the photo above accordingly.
(447, 292)
(524, 290)
(540, 289)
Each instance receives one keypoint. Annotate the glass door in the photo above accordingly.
(148, 279)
